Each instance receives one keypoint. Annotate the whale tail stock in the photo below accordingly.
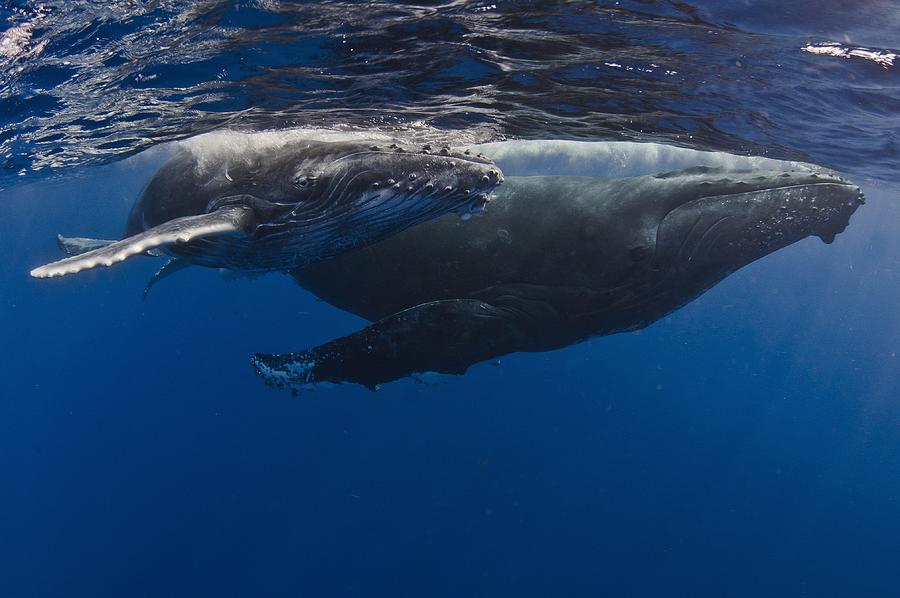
(91, 253)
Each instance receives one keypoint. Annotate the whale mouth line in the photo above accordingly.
(836, 183)
(405, 151)
(860, 197)
(474, 201)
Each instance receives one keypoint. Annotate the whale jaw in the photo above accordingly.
(738, 228)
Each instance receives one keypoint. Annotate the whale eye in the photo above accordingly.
(303, 181)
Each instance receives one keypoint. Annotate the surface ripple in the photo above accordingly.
(88, 82)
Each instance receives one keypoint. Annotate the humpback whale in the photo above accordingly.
(268, 207)
(556, 260)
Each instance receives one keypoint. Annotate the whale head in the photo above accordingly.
(709, 222)
(736, 217)
(326, 197)
(376, 178)
(338, 195)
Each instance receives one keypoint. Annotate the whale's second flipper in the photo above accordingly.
(170, 267)
(442, 336)
(79, 245)
(179, 230)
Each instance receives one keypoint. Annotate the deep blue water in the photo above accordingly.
(746, 445)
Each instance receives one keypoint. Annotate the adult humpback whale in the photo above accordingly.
(275, 206)
(556, 260)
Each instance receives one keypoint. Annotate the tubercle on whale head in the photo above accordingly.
(369, 174)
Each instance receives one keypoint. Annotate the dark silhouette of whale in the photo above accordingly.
(258, 207)
(554, 261)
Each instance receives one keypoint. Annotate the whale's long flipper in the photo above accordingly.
(179, 230)
(442, 336)
(79, 245)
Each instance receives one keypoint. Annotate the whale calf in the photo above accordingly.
(260, 208)
(556, 260)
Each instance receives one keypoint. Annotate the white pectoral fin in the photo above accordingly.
(79, 245)
(179, 230)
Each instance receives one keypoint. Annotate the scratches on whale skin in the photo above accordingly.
(685, 242)
(706, 235)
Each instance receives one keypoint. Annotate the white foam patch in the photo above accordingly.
(15, 42)
(882, 57)
(614, 159)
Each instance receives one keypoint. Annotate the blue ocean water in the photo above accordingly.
(745, 445)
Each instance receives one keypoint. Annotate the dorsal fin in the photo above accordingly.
(179, 230)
